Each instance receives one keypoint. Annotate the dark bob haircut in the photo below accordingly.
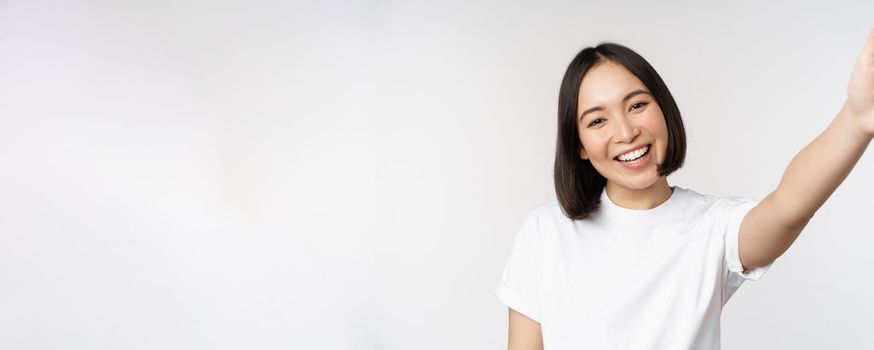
(578, 185)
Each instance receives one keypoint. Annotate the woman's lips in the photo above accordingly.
(638, 163)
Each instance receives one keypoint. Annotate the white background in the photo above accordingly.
(350, 175)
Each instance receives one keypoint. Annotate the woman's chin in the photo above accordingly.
(639, 184)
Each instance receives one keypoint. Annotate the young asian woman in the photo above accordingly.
(622, 259)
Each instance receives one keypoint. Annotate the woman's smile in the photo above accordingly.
(636, 159)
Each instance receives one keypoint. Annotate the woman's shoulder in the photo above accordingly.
(693, 199)
(548, 210)
(544, 214)
(542, 221)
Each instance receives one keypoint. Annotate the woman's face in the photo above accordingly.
(621, 127)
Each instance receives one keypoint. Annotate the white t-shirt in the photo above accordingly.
(629, 279)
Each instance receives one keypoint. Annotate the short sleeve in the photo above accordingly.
(732, 252)
(518, 287)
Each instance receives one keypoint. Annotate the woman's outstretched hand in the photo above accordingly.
(814, 173)
(860, 90)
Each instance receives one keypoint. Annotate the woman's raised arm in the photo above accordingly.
(814, 174)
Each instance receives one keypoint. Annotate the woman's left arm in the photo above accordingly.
(768, 230)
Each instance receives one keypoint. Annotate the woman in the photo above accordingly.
(622, 259)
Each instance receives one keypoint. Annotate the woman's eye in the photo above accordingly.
(638, 105)
(596, 122)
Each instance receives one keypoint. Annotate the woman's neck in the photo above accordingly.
(640, 199)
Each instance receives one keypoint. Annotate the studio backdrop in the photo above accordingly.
(351, 174)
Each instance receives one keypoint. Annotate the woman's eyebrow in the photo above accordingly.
(624, 100)
(634, 93)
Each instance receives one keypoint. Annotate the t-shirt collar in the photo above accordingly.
(637, 216)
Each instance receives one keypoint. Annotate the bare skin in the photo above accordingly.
(524, 332)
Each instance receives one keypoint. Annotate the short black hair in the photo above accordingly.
(578, 185)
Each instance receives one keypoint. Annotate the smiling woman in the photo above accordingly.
(618, 91)
(625, 128)
(623, 260)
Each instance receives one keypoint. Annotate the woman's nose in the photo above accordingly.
(626, 131)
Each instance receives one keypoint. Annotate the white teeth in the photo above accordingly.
(633, 154)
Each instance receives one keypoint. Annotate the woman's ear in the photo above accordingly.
(583, 154)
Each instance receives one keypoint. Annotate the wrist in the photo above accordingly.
(855, 124)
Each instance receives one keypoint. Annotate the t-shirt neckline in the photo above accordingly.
(641, 216)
